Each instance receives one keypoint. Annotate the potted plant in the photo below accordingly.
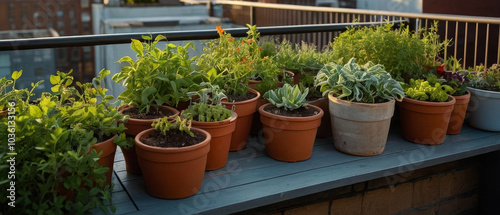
(457, 79)
(361, 101)
(154, 83)
(207, 113)
(224, 63)
(289, 124)
(91, 111)
(172, 156)
(425, 112)
(485, 99)
(56, 172)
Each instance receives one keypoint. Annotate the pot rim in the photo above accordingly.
(291, 118)
(244, 101)
(387, 103)
(145, 147)
(126, 107)
(427, 103)
(484, 93)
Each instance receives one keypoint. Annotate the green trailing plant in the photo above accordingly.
(402, 52)
(157, 76)
(163, 125)
(9, 93)
(51, 158)
(486, 80)
(424, 91)
(367, 83)
(209, 107)
(287, 97)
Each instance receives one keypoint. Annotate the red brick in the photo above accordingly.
(349, 205)
(318, 208)
(425, 191)
(387, 201)
(459, 205)
(455, 183)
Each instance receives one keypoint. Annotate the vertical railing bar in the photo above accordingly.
(498, 45)
(475, 43)
(486, 44)
(426, 22)
(251, 15)
(445, 38)
(465, 44)
(456, 40)
(364, 17)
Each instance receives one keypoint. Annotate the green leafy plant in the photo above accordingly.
(288, 97)
(51, 159)
(367, 83)
(400, 51)
(486, 80)
(163, 125)
(424, 91)
(157, 76)
(209, 107)
(8, 92)
(303, 57)
(433, 44)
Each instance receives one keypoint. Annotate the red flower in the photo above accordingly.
(244, 59)
(249, 40)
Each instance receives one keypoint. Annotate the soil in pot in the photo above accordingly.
(245, 107)
(425, 122)
(290, 137)
(458, 114)
(173, 138)
(173, 172)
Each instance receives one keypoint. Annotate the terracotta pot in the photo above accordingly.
(458, 113)
(256, 124)
(425, 122)
(107, 158)
(221, 132)
(360, 128)
(172, 173)
(325, 129)
(134, 127)
(245, 110)
(131, 163)
(482, 111)
(290, 138)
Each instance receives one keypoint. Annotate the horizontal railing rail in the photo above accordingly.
(108, 39)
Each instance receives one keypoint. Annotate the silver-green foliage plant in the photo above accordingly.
(288, 97)
(488, 80)
(367, 83)
(209, 107)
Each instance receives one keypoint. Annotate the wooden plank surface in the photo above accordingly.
(252, 179)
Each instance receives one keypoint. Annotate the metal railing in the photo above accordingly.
(475, 39)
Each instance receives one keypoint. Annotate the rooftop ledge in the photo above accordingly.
(251, 179)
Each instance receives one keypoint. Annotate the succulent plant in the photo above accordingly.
(288, 97)
(367, 83)
(489, 80)
(163, 125)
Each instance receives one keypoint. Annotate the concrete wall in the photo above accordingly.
(412, 6)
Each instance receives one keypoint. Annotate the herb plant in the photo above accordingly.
(367, 83)
(424, 91)
(209, 107)
(487, 80)
(163, 125)
(288, 97)
(157, 76)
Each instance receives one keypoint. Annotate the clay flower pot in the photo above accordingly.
(245, 110)
(425, 122)
(483, 112)
(287, 138)
(256, 124)
(107, 158)
(458, 113)
(325, 129)
(221, 132)
(172, 173)
(360, 128)
(134, 127)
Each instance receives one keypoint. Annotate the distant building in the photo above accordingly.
(66, 17)
(36, 64)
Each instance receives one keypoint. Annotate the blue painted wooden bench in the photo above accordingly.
(251, 179)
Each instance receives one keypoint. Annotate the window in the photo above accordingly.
(85, 17)
(11, 15)
(60, 14)
(25, 6)
(74, 31)
(85, 3)
(24, 16)
(50, 25)
(60, 24)
(71, 14)
(62, 33)
(12, 26)
(11, 6)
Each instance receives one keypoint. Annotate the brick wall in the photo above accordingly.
(450, 188)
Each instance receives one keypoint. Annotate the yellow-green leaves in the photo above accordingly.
(16, 74)
(137, 46)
